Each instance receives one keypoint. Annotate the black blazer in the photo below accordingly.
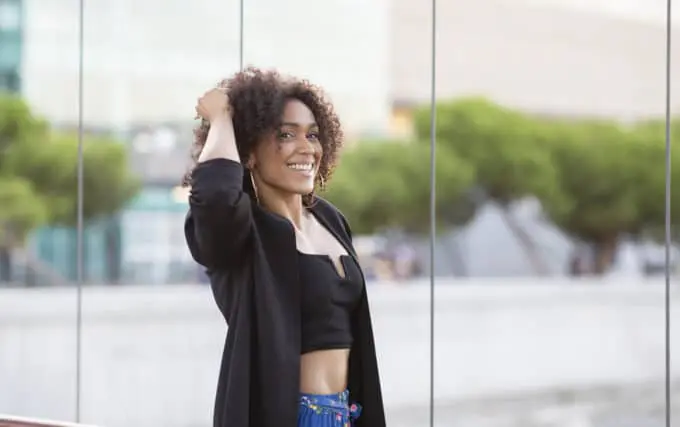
(251, 259)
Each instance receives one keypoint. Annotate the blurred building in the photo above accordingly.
(145, 63)
(11, 38)
(558, 57)
(153, 249)
(569, 58)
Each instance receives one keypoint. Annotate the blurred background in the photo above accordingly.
(549, 257)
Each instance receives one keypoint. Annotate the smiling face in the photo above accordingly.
(287, 161)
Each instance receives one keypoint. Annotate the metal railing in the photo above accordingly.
(13, 421)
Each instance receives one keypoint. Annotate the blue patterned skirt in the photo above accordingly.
(327, 410)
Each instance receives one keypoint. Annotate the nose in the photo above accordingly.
(306, 146)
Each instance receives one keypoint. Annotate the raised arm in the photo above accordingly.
(219, 223)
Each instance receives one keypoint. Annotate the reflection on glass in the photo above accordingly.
(351, 50)
(151, 334)
(556, 109)
(38, 163)
(550, 193)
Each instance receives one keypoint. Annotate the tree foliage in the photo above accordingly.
(383, 184)
(597, 177)
(21, 210)
(650, 159)
(597, 180)
(612, 181)
(499, 143)
(39, 169)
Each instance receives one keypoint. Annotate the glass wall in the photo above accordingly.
(146, 64)
(546, 262)
(558, 109)
(38, 190)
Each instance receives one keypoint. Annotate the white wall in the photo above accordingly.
(564, 57)
(148, 61)
(641, 11)
(151, 354)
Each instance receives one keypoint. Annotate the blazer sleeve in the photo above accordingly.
(220, 221)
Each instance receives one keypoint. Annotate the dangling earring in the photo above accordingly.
(322, 183)
(252, 182)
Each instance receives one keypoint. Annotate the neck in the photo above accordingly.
(288, 205)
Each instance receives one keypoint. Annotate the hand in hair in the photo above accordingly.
(213, 105)
(213, 109)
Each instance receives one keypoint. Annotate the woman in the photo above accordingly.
(299, 348)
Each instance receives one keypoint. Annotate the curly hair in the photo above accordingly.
(257, 99)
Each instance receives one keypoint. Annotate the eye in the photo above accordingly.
(313, 136)
(285, 135)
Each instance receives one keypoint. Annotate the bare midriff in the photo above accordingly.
(324, 371)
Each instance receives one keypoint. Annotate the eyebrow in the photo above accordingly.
(298, 125)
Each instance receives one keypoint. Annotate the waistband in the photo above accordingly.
(337, 403)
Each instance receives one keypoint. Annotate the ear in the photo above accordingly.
(250, 163)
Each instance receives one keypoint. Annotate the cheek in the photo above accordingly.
(271, 159)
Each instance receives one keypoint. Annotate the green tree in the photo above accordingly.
(38, 174)
(505, 150)
(599, 170)
(650, 153)
(18, 125)
(386, 184)
(21, 209)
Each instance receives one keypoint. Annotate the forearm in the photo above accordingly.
(221, 142)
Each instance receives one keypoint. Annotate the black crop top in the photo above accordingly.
(328, 301)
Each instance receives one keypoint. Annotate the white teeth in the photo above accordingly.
(301, 166)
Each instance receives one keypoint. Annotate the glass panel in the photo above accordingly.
(549, 310)
(355, 52)
(152, 337)
(38, 166)
(674, 307)
(402, 256)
